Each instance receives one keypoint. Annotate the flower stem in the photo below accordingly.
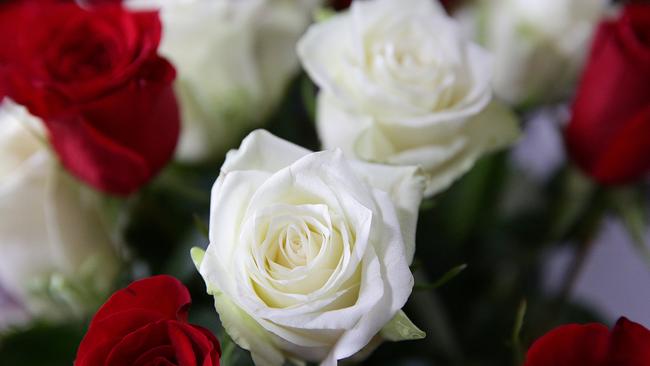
(585, 238)
(228, 347)
(432, 317)
(450, 275)
(517, 349)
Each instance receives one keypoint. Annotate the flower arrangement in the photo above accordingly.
(371, 182)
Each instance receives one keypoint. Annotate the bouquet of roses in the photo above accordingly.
(373, 182)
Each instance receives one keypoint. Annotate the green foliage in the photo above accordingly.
(42, 345)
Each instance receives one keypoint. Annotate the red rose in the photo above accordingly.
(609, 134)
(447, 3)
(628, 344)
(340, 4)
(94, 76)
(146, 324)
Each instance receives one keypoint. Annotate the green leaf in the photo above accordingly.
(427, 204)
(197, 256)
(401, 328)
(42, 344)
(517, 349)
(451, 274)
(323, 14)
(471, 204)
(575, 198)
(308, 94)
(227, 350)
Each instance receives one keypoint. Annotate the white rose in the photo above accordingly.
(234, 60)
(57, 257)
(309, 252)
(399, 85)
(539, 45)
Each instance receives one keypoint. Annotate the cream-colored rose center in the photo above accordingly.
(296, 246)
(298, 253)
(414, 57)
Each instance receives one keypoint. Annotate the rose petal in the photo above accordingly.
(123, 139)
(604, 118)
(629, 344)
(570, 345)
(145, 301)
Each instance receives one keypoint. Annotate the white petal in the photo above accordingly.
(321, 49)
(493, 129)
(338, 128)
(405, 186)
(21, 136)
(397, 282)
(78, 230)
(262, 151)
(25, 243)
(230, 196)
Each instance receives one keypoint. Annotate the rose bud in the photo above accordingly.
(609, 133)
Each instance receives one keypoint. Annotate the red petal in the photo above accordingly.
(105, 334)
(638, 15)
(123, 139)
(163, 294)
(95, 158)
(215, 353)
(627, 159)
(145, 301)
(615, 88)
(629, 345)
(129, 349)
(570, 345)
(155, 354)
(195, 346)
(114, 130)
(181, 343)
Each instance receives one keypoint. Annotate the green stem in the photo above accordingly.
(585, 235)
(432, 317)
(517, 349)
(182, 188)
(201, 226)
(227, 351)
(450, 275)
(629, 204)
(308, 95)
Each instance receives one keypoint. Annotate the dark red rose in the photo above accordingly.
(145, 324)
(340, 4)
(628, 344)
(609, 134)
(447, 3)
(94, 76)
